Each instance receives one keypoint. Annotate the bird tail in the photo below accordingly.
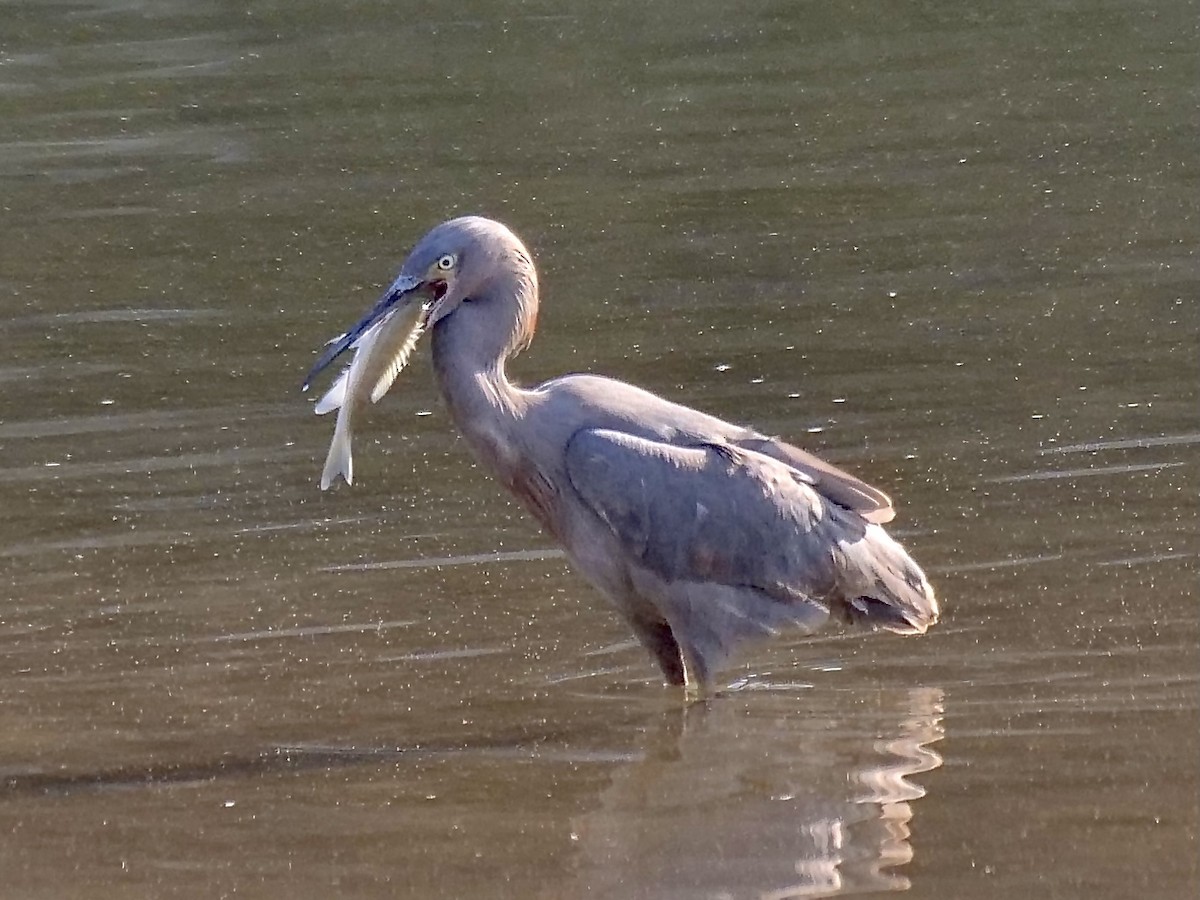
(884, 588)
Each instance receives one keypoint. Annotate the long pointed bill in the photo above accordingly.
(400, 289)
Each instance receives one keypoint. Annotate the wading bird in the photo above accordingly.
(703, 534)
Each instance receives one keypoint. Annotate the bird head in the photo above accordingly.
(460, 262)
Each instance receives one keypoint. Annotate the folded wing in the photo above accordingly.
(735, 543)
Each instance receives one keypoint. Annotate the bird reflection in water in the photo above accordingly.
(736, 799)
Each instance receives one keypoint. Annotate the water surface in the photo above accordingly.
(952, 250)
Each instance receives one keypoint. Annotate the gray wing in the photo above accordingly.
(840, 487)
(635, 411)
(710, 512)
(730, 544)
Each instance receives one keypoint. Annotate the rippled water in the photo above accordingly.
(953, 250)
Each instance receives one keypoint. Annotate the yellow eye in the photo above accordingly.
(446, 262)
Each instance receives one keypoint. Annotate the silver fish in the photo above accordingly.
(379, 354)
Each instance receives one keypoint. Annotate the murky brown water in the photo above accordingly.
(953, 250)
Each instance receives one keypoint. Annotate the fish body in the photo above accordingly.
(380, 353)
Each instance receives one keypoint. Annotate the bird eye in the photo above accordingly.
(446, 262)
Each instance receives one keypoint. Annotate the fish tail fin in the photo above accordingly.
(338, 461)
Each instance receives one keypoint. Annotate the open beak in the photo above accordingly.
(405, 289)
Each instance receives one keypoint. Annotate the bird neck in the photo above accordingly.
(472, 346)
(485, 405)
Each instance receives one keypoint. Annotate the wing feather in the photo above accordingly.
(709, 512)
(733, 524)
(839, 486)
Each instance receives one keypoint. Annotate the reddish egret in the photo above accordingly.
(704, 534)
